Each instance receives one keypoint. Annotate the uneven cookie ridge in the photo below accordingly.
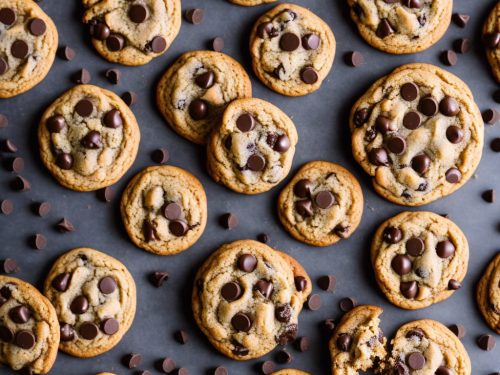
(491, 40)
(251, 3)
(488, 294)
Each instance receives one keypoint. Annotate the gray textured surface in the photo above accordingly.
(321, 120)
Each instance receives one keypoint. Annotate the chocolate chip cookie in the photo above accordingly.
(322, 204)
(488, 294)
(29, 330)
(420, 258)
(28, 46)
(290, 371)
(418, 133)
(164, 210)
(195, 90)
(491, 40)
(95, 299)
(132, 32)
(88, 138)
(292, 50)
(252, 150)
(247, 298)
(250, 3)
(398, 27)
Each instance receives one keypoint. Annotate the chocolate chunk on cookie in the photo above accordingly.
(491, 40)
(488, 294)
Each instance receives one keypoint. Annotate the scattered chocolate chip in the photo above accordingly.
(4, 121)
(496, 96)
(14, 164)
(489, 196)
(106, 194)
(130, 98)
(428, 106)
(132, 360)
(217, 44)
(327, 283)
(67, 332)
(283, 313)
(148, 231)
(264, 287)
(167, 365)
(383, 124)
(460, 19)
(107, 285)
(401, 264)
(309, 75)
(65, 226)
(38, 241)
(81, 77)
(160, 156)
(181, 337)
(416, 333)
(100, 31)
(263, 237)
(313, 302)
(231, 291)
(88, 330)
(219, 371)
(205, 80)
(328, 326)
(421, 163)
(396, 145)
(4, 66)
(110, 326)
(194, 16)
(37, 27)
(178, 227)
(157, 278)
(56, 123)
(409, 289)
(267, 29)
(300, 283)
(304, 207)
(347, 304)
(19, 49)
(445, 249)
(158, 44)
(67, 53)
(409, 91)
(459, 330)
(8, 146)
(324, 199)
(61, 282)
(113, 76)
(79, 305)
(415, 247)
(138, 13)
(302, 344)
(491, 116)
(449, 57)
(247, 262)
(344, 342)
(24, 339)
(6, 206)
(241, 322)
(256, 163)
(19, 183)
(8, 16)
(491, 40)
(416, 4)
(64, 160)
(354, 59)
(6, 335)
(115, 42)
(267, 367)
(453, 175)
(442, 370)
(20, 314)
(360, 116)
(384, 28)
(486, 342)
(112, 119)
(283, 356)
(416, 360)
(245, 122)
(310, 41)
(282, 144)
(9, 265)
(449, 106)
(462, 45)
(289, 42)
(392, 235)
(378, 157)
(302, 189)
(454, 285)
(92, 140)
(198, 109)
(84, 108)
(454, 134)
(229, 221)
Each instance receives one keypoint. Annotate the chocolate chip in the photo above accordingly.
(347, 304)
(354, 59)
(132, 360)
(115, 42)
(9, 265)
(462, 45)
(490, 116)
(8, 146)
(100, 31)
(300, 283)
(158, 44)
(304, 207)
(181, 337)
(79, 305)
(416, 4)
(4, 121)
(20, 314)
(231, 291)
(324, 199)
(267, 367)
(241, 322)
(327, 283)
(401, 264)
(157, 278)
(328, 326)
(302, 344)
(415, 247)
(415, 333)
(84, 108)
(149, 231)
(495, 145)
(113, 76)
(19, 183)
(178, 227)
(113, 119)
(392, 235)
(283, 356)
(229, 221)
(81, 77)
(489, 196)
(217, 44)
(88, 330)
(313, 302)
(6, 335)
(453, 175)
(378, 156)
(344, 342)
(454, 285)
(409, 91)
(56, 123)
(263, 237)
(416, 361)
(396, 145)
(309, 75)
(458, 329)
(194, 16)
(247, 262)
(64, 161)
(442, 370)
(360, 117)
(8, 16)
(282, 144)
(172, 211)
(67, 332)
(256, 163)
(428, 106)
(289, 42)
(341, 230)
(37, 27)
(14, 164)
(138, 13)
(449, 57)
(302, 189)
(92, 140)
(409, 289)
(198, 109)
(219, 371)
(67, 53)
(24, 339)
(264, 287)
(105, 194)
(19, 49)
(449, 106)
(107, 285)
(310, 41)
(38, 241)
(421, 163)
(383, 124)
(205, 80)
(130, 98)
(4, 66)
(445, 249)
(167, 365)
(160, 155)
(486, 342)
(6, 206)
(267, 29)
(65, 226)
(454, 134)
(496, 96)
(110, 326)
(245, 122)
(460, 19)
(384, 28)
(61, 282)
(283, 313)
(491, 40)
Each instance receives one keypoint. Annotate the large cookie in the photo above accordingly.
(164, 209)
(132, 32)
(252, 150)
(195, 90)
(247, 298)
(418, 133)
(488, 294)
(95, 300)
(292, 50)
(401, 26)
(28, 45)
(88, 138)
(491, 40)
(29, 330)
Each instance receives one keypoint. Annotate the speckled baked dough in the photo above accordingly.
(32, 35)
(249, 280)
(357, 344)
(317, 220)
(488, 294)
(394, 27)
(164, 210)
(88, 147)
(440, 347)
(290, 371)
(202, 83)
(86, 277)
(252, 150)
(126, 41)
(250, 3)
(30, 340)
(491, 39)
(301, 67)
(430, 252)
(447, 145)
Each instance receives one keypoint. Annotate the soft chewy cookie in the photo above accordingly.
(252, 150)
(418, 133)
(290, 371)
(94, 297)
(195, 90)
(358, 344)
(28, 45)
(292, 50)
(88, 138)
(132, 32)
(491, 40)
(247, 298)
(322, 204)
(406, 26)
(250, 3)
(488, 294)
(420, 258)
(29, 330)
(164, 209)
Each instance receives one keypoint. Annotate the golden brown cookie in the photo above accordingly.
(290, 371)
(488, 294)
(251, 3)
(491, 40)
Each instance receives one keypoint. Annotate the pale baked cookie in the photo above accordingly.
(418, 133)
(398, 27)
(322, 204)
(29, 330)
(132, 32)
(247, 298)
(488, 294)
(250, 3)
(95, 299)
(290, 371)
(358, 344)
(88, 138)
(252, 150)
(164, 209)
(28, 44)
(195, 90)
(491, 40)
(292, 50)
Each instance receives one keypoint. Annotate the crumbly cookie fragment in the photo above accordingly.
(488, 294)
(491, 40)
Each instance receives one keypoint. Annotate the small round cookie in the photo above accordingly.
(292, 50)
(195, 90)
(399, 27)
(252, 150)
(88, 138)
(29, 330)
(420, 258)
(427, 347)
(488, 294)
(251, 3)
(322, 204)
(95, 299)
(132, 32)
(290, 371)
(358, 344)
(491, 40)
(164, 210)
(247, 298)
(28, 46)
(418, 133)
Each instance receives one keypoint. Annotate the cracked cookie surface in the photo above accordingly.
(418, 133)
(322, 204)
(252, 150)
(292, 50)
(194, 92)
(488, 294)
(164, 210)
(247, 298)
(491, 40)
